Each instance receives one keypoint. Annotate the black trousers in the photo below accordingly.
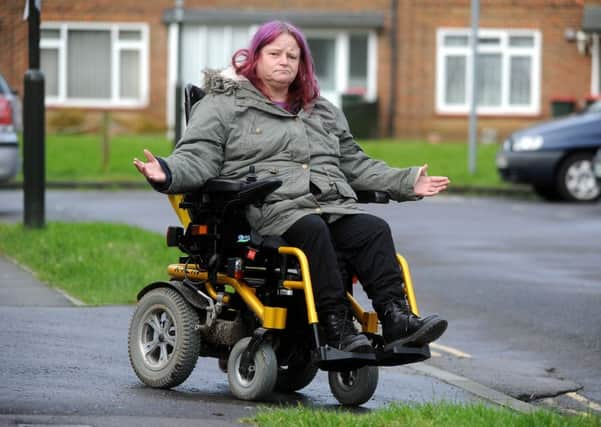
(359, 244)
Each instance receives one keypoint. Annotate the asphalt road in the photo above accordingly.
(72, 362)
(519, 281)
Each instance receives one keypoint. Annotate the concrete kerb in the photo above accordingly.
(474, 388)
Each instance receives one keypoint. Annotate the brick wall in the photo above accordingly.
(13, 44)
(564, 71)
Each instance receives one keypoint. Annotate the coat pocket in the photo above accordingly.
(345, 190)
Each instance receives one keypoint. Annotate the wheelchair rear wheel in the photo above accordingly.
(262, 373)
(354, 387)
(295, 376)
(163, 343)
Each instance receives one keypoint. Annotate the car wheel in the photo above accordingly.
(575, 179)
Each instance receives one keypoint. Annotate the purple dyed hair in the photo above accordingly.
(304, 88)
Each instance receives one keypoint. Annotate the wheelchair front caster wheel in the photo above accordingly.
(262, 373)
(355, 387)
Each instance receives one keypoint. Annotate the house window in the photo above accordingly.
(210, 47)
(345, 63)
(508, 79)
(323, 51)
(95, 64)
(358, 59)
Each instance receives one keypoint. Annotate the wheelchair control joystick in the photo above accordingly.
(252, 176)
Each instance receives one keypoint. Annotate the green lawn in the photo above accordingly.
(79, 158)
(94, 262)
(449, 159)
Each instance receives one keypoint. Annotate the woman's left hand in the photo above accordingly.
(429, 185)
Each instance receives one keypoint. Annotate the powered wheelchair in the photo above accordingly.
(247, 301)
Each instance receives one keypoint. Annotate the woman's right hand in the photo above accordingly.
(151, 169)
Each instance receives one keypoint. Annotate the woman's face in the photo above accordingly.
(278, 62)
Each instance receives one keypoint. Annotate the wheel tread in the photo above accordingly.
(188, 342)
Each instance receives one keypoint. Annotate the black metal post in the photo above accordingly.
(179, 17)
(34, 170)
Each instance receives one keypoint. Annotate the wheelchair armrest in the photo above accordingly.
(257, 191)
(372, 197)
(235, 192)
(222, 185)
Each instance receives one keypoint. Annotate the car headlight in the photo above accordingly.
(528, 143)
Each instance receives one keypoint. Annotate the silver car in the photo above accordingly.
(9, 142)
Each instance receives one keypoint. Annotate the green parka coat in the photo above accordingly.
(235, 126)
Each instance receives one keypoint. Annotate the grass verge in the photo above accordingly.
(443, 159)
(422, 415)
(96, 263)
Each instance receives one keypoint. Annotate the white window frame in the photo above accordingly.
(141, 46)
(505, 108)
(596, 64)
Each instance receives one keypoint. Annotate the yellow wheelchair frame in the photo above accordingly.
(275, 317)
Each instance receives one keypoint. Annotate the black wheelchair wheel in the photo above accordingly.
(355, 387)
(262, 373)
(163, 343)
(295, 376)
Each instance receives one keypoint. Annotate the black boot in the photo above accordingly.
(401, 326)
(340, 332)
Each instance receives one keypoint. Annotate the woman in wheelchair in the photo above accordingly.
(265, 111)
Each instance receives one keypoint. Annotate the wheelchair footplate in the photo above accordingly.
(399, 354)
(331, 359)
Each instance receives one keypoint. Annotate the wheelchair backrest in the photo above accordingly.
(192, 94)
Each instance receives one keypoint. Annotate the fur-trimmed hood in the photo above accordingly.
(224, 81)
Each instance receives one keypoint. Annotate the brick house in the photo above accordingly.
(410, 58)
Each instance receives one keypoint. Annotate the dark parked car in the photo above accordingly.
(556, 156)
(9, 143)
